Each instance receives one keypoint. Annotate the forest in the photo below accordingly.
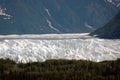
(60, 70)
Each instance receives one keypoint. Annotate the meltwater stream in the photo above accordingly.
(32, 48)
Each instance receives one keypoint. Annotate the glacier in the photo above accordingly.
(33, 48)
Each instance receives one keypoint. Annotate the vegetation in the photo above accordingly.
(60, 70)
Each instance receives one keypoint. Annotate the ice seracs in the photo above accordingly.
(32, 48)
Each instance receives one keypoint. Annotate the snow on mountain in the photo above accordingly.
(89, 26)
(52, 27)
(64, 16)
(110, 1)
(26, 48)
(114, 2)
(3, 13)
(47, 11)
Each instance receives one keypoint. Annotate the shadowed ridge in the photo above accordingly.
(111, 30)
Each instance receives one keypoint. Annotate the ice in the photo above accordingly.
(32, 48)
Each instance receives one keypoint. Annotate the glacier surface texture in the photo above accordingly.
(32, 48)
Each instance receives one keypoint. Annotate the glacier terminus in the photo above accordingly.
(33, 48)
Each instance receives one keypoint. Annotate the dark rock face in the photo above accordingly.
(56, 16)
(110, 30)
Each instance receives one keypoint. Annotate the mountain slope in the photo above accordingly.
(56, 16)
(110, 30)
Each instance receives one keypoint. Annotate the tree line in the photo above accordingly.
(60, 70)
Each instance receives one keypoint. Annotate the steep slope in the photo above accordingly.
(56, 16)
(110, 30)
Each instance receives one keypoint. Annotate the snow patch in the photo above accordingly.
(3, 13)
(118, 4)
(114, 2)
(47, 11)
(52, 27)
(89, 26)
(110, 1)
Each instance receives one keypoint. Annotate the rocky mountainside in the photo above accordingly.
(56, 16)
(110, 30)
